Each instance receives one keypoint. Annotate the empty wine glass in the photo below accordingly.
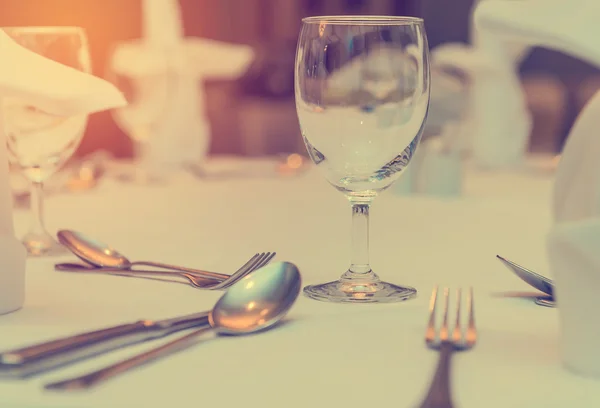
(362, 95)
(40, 143)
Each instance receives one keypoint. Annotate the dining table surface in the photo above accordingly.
(324, 354)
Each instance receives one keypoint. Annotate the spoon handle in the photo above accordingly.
(28, 361)
(205, 274)
(96, 377)
(75, 267)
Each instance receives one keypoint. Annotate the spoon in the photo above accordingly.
(539, 282)
(101, 255)
(254, 303)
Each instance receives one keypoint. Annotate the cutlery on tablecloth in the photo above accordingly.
(270, 291)
(535, 280)
(439, 395)
(244, 309)
(102, 255)
(195, 279)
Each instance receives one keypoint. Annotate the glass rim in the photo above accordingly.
(362, 20)
(43, 29)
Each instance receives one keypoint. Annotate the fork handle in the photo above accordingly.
(438, 395)
(206, 274)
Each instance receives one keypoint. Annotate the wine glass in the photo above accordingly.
(40, 143)
(362, 96)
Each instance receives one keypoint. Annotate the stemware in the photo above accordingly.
(40, 143)
(362, 96)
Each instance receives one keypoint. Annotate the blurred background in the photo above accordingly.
(254, 114)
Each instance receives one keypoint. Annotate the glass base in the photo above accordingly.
(43, 245)
(353, 292)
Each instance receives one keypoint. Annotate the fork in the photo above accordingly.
(439, 395)
(195, 280)
(85, 267)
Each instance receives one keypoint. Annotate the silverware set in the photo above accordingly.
(253, 304)
(275, 287)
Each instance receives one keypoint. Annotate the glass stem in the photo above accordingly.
(360, 270)
(37, 208)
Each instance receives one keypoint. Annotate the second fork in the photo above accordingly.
(439, 394)
(195, 280)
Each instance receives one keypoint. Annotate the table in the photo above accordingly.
(327, 355)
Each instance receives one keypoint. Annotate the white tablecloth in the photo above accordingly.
(328, 355)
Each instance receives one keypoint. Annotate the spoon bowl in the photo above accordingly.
(258, 301)
(91, 251)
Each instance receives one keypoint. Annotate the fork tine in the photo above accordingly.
(246, 265)
(430, 332)
(444, 329)
(266, 260)
(243, 271)
(250, 265)
(457, 332)
(262, 260)
(471, 330)
(257, 261)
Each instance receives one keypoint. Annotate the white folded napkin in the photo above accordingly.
(574, 255)
(51, 86)
(574, 242)
(167, 72)
(497, 123)
(567, 26)
(58, 90)
(161, 22)
(577, 185)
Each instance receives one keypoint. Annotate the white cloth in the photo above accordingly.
(574, 240)
(58, 90)
(167, 71)
(50, 86)
(577, 186)
(570, 27)
(328, 355)
(496, 124)
(161, 22)
(575, 264)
